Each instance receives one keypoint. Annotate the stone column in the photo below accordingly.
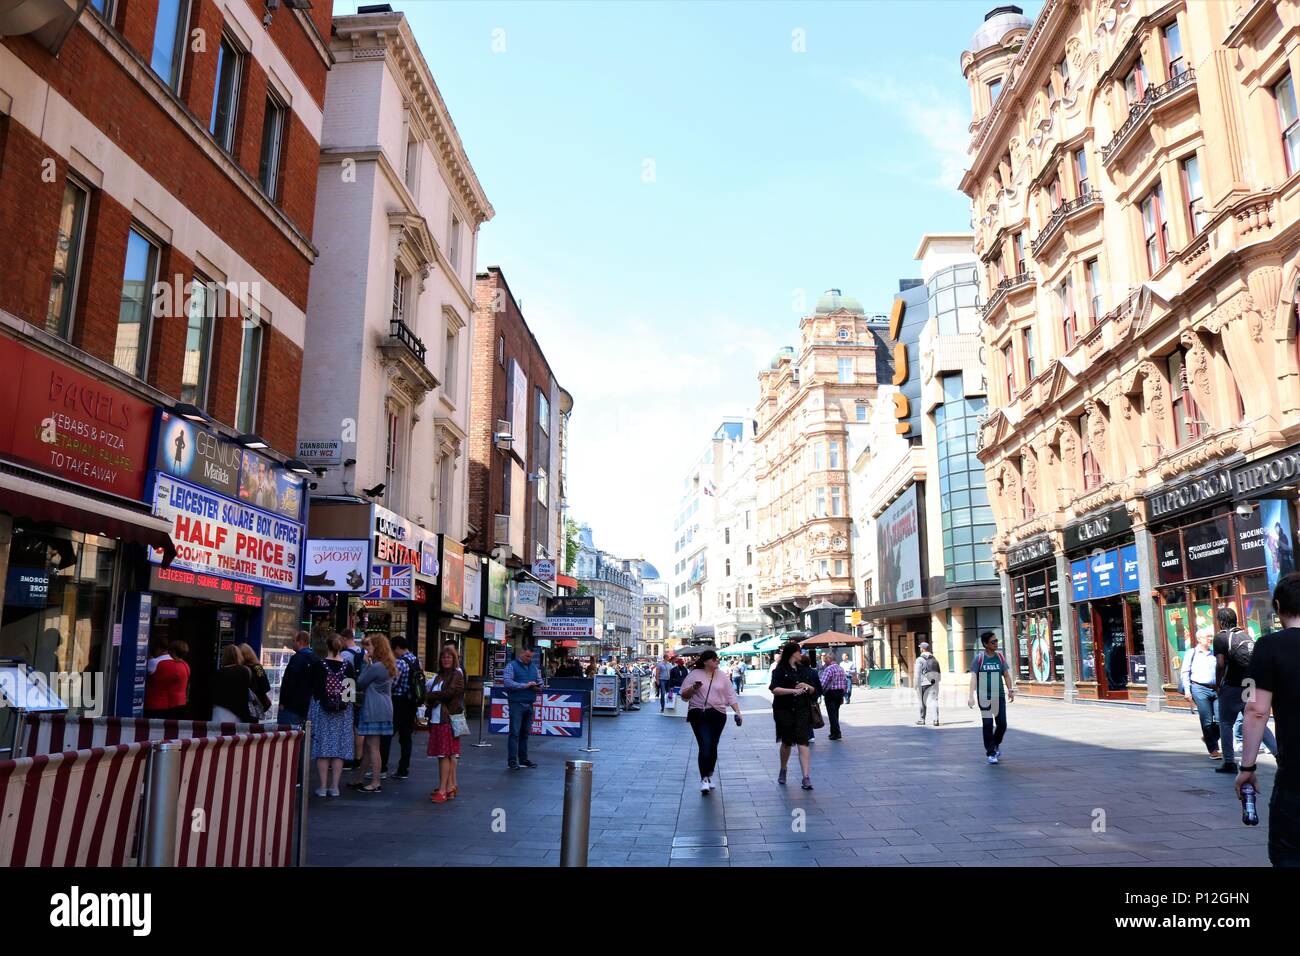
(1152, 639)
(1008, 622)
(1069, 632)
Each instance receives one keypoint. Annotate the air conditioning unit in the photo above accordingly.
(501, 530)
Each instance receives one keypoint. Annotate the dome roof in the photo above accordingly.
(998, 22)
(649, 572)
(833, 301)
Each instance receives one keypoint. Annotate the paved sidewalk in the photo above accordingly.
(1079, 785)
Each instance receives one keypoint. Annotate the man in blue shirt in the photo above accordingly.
(521, 680)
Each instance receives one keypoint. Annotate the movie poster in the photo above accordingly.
(1279, 549)
(1178, 637)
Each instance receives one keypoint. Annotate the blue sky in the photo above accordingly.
(675, 185)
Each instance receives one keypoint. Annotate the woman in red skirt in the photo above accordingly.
(446, 699)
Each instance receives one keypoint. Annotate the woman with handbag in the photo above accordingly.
(795, 689)
(709, 692)
(232, 688)
(447, 723)
(259, 703)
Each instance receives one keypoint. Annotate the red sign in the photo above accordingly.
(67, 423)
(209, 586)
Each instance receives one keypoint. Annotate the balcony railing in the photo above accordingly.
(1059, 216)
(1005, 287)
(401, 331)
(1139, 111)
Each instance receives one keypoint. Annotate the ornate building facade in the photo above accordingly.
(807, 398)
(1135, 187)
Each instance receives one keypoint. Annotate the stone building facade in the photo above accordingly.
(1135, 187)
(807, 397)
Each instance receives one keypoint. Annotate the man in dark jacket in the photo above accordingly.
(295, 684)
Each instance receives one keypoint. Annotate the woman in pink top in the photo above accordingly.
(709, 692)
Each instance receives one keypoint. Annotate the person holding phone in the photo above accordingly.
(709, 692)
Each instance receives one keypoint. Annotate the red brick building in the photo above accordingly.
(158, 170)
(515, 464)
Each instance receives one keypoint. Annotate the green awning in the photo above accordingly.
(741, 649)
(766, 644)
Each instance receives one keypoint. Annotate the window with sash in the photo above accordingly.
(1065, 306)
(1190, 171)
(1155, 229)
(1289, 120)
(1188, 422)
(1091, 467)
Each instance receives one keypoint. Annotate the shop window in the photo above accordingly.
(58, 602)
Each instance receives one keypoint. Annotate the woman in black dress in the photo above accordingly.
(795, 689)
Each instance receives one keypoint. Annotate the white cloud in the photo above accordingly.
(941, 122)
(647, 398)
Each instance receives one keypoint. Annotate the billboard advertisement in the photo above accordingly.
(898, 549)
(473, 586)
(1279, 545)
(215, 535)
(335, 564)
(498, 590)
(453, 576)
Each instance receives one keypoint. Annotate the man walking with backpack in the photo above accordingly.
(1233, 648)
(408, 696)
(927, 684)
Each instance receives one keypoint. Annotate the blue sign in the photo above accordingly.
(1128, 562)
(27, 587)
(1279, 549)
(1079, 580)
(1103, 574)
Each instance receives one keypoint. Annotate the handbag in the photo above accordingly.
(818, 721)
(459, 725)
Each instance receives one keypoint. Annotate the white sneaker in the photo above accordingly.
(705, 786)
(993, 759)
(322, 792)
(334, 791)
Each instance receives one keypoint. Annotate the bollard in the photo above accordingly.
(485, 702)
(589, 749)
(304, 789)
(163, 798)
(576, 828)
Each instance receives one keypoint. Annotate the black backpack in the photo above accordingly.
(1240, 652)
(415, 681)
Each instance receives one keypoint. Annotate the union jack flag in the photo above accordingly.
(391, 582)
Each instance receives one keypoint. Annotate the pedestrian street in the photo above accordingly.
(1078, 785)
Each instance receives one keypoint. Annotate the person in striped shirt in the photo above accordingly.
(834, 683)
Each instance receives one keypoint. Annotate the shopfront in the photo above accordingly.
(236, 522)
(398, 595)
(1037, 646)
(74, 517)
(1105, 595)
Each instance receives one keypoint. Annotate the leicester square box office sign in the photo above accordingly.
(216, 535)
(71, 425)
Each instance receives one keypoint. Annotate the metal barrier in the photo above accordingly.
(72, 809)
(56, 733)
(234, 800)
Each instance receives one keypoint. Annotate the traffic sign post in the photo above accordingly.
(483, 704)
